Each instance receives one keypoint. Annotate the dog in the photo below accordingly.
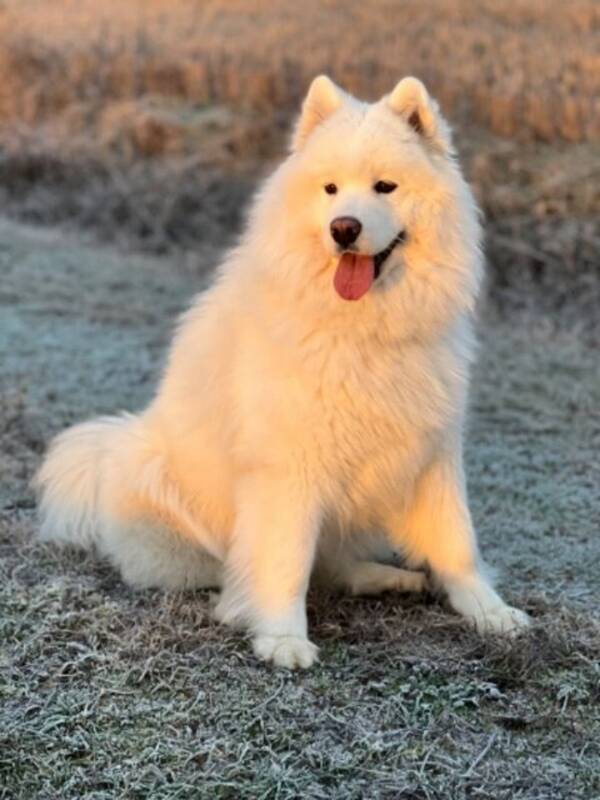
(310, 417)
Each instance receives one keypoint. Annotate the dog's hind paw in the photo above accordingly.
(286, 651)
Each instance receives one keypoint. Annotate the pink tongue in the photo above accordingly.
(354, 276)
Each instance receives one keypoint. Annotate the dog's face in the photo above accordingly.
(371, 207)
(366, 178)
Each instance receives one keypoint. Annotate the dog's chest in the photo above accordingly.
(373, 418)
(353, 420)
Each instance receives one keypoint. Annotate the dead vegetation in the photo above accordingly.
(525, 68)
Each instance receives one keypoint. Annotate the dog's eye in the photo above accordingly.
(384, 187)
(330, 188)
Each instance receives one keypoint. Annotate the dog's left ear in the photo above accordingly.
(411, 100)
(323, 98)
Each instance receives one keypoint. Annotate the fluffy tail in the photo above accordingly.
(71, 479)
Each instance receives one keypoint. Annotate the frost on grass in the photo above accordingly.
(110, 693)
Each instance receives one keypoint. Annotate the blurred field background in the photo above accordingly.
(148, 121)
(528, 68)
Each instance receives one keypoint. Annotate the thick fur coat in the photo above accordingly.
(310, 417)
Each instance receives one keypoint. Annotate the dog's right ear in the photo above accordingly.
(323, 98)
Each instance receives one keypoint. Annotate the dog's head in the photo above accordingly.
(371, 193)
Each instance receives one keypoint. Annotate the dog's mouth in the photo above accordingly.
(355, 272)
(380, 258)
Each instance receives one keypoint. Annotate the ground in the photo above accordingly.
(107, 692)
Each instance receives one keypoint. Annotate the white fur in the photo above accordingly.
(293, 429)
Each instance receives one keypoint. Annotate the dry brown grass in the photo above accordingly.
(525, 68)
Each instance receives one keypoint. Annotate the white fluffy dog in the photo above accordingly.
(312, 408)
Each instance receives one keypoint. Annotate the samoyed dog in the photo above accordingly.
(310, 417)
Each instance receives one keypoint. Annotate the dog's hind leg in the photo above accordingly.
(104, 484)
(150, 554)
(369, 577)
(349, 564)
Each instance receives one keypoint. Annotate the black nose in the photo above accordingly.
(345, 230)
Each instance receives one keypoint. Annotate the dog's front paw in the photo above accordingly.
(502, 619)
(286, 651)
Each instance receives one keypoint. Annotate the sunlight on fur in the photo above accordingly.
(310, 417)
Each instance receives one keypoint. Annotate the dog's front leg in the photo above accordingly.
(268, 567)
(436, 529)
